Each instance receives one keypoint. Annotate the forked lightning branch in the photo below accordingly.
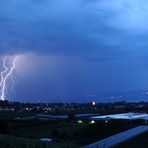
(7, 74)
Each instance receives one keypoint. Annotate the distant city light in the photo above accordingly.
(80, 121)
(93, 103)
(92, 122)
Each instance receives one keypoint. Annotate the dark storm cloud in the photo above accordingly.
(99, 44)
(97, 30)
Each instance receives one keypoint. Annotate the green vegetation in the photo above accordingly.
(44, 129)
(13, 114)
(15, 142)
(73, 132)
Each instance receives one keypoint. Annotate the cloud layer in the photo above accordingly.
(97, 30)
(99, 44)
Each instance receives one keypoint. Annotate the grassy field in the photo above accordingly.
(68, 133)
(64, 133)
(12, 114)
(15, 142)
(45, 130)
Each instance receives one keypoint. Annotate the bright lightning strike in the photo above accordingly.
(5, 75)
(3, 72)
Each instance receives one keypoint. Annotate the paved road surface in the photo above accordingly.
(118, 138)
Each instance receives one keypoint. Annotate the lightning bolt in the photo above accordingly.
(5, 75)
(14, 81)
(3, 72)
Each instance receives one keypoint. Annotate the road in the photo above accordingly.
(118, 138)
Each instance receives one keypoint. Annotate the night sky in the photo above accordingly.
(69, 48)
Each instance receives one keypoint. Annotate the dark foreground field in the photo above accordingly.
(18, 129)
(15, 142)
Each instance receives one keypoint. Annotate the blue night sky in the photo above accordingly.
(71, 47)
